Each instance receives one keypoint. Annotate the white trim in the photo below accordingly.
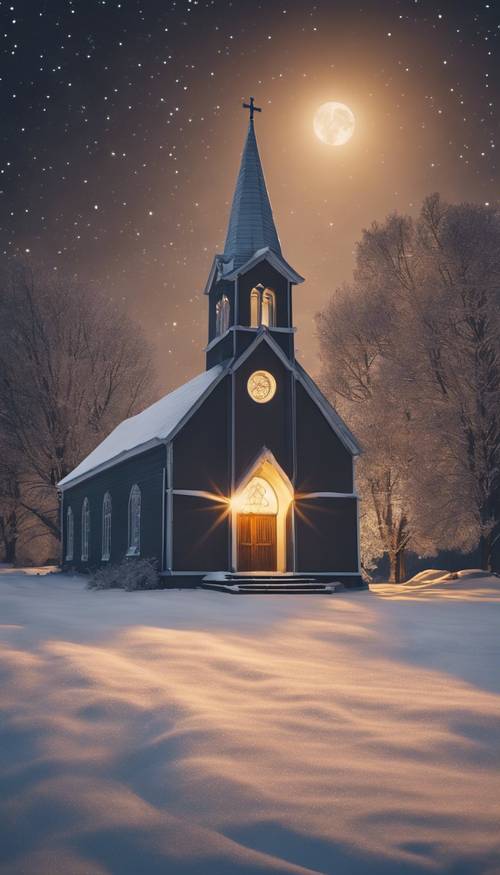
(263, 573)
(212, 274)
(263, 327)
(163, 520)
(276, 261)
(109, 463)
(357, 520)
(332, 417)
(234, 328)
(265, 455)
(293, 406)
(232, 534)
(170, 506)
(262, 336)
(201, 493)
(215, 340)
(300, 495)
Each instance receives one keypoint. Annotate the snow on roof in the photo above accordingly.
(146, 429)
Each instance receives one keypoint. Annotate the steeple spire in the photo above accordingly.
(251, 223)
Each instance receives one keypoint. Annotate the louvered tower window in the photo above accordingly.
(262, 307)
(222, 311)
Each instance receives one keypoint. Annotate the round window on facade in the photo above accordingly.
(261, 386)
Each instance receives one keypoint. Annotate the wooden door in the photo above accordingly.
(256, 542)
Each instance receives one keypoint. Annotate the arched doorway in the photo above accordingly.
(260, 508)
(257, 527)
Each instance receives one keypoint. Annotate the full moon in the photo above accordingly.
(334, 123)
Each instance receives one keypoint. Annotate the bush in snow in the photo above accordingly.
(130, 574)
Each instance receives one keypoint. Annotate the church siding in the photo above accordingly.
(326, 534)
(201, 448)
(259, 425)
(146, 470)
(200, 530)
(323, 463)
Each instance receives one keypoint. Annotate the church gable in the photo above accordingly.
(261, 420)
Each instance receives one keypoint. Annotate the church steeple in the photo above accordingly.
(251, 224)
(250, 283)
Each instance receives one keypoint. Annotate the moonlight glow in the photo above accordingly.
(334, 123)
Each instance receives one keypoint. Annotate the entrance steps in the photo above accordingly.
(272, 584)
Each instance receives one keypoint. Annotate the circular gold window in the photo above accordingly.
(261, 386)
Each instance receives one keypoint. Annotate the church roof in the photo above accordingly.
(251, 223)
(147, 429)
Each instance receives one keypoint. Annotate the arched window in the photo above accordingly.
(222, 311)
(254, 308)
(70, 535)
(262, 307)
(85, 530)
(134, 521)
(106, 527)
(268, 308)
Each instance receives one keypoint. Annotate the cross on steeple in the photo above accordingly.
(252, 108)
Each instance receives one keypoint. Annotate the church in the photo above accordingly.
(242, 479)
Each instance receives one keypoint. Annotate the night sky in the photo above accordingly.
(122, 129)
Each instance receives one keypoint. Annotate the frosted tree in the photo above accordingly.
(363, 380)
(411, 352)
(71, 367)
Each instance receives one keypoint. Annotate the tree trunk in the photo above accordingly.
(485, 551)
(397, 562)
(401, 566)
(10, 551)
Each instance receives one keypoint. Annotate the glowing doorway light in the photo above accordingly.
(257, 497)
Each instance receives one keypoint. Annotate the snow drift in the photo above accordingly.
(189, 732)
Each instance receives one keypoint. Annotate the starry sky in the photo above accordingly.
(122, 129)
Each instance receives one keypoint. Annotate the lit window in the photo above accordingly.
(85, 530)
(254, 308)
(262, 307)
(106, 527)
(222, 311)
(70, 535)
(258, 497)
(134, 521)
(268, 308)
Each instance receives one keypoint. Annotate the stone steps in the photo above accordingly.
(272, 585)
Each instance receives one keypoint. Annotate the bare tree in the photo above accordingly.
(71, 367)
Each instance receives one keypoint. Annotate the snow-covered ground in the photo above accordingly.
(196, 732)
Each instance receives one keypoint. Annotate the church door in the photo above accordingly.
(256, 542)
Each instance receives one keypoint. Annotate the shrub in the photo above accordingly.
(129, 574)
